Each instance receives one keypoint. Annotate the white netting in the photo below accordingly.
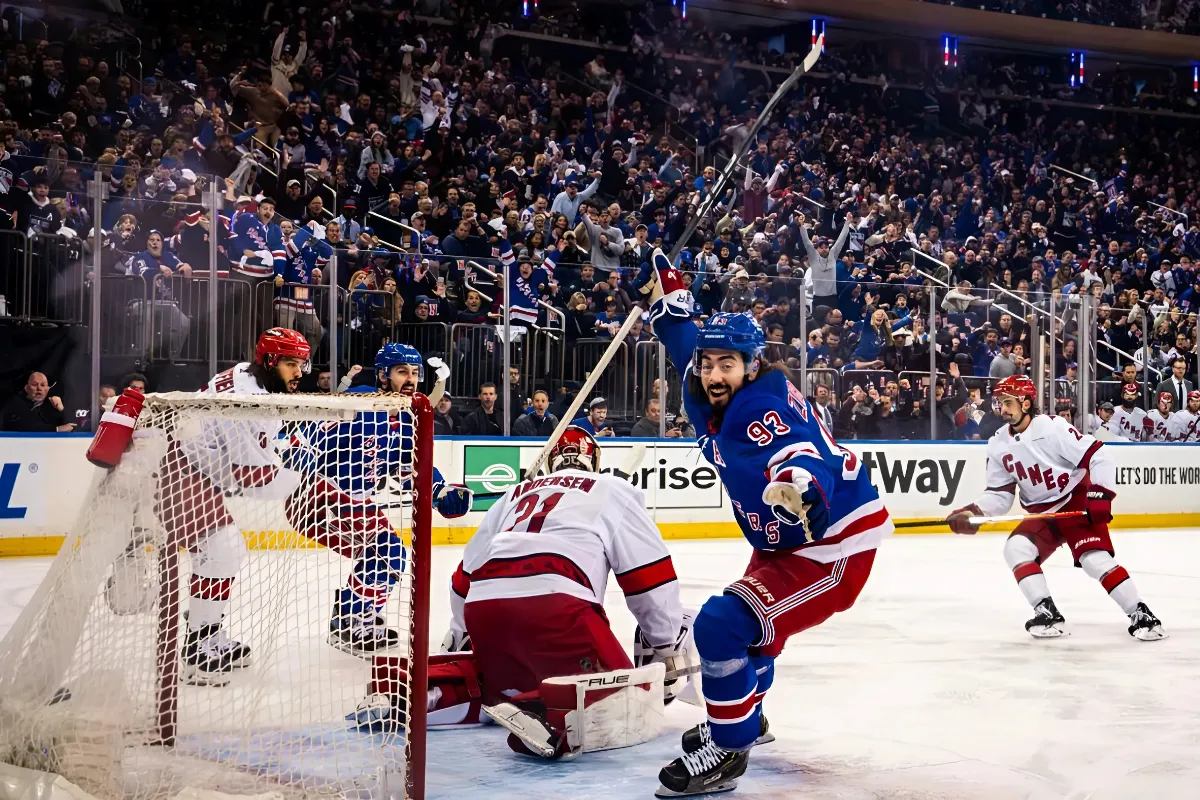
(99, 678)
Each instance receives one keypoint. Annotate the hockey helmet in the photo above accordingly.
(1166, 397)
(277, 343)
(729, 331)
(1131, 390)
(575, 449)
(1015, 386)
(394, 353)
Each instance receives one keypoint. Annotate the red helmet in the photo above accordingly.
(1015, 386)
(1167, 396)
(1194, 395)
(1130, 388)
(277, 343)
(575, 449)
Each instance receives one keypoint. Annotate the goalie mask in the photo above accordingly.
(576, 449)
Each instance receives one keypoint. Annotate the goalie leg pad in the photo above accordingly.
(454, 696)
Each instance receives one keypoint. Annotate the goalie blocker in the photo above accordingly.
(529, 595)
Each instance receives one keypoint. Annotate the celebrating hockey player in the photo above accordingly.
(804, 503)
(527, 601)
(1185, 423)
(345, 463)
(1128, 420)
(1053, 468)
(1159, 427)
(225, 457)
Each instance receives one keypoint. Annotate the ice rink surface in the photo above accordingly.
(928, 688)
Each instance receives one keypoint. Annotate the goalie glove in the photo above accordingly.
(796, 499)
(456, 642)
(679, 658)
(663, 286)
(451, 500)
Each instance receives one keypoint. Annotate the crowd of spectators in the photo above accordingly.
(1177, 16)
(411, 146)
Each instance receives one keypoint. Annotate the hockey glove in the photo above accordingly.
(1098, 509)
(796, 499)
(679, 658)
(662, 285)
(959, 519)
(451, 500)
(456, 642)
(1147, 428)
(440, 370)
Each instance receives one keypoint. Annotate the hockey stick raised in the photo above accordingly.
(976, 521)
(706, 206)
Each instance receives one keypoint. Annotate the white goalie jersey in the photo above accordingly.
(562, 534)
(1043, 465)
(234, 454)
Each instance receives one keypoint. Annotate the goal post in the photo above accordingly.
(98, 674)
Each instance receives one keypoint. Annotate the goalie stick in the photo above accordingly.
(706, 206)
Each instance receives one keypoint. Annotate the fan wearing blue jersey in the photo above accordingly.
(346, 463)
(805, 505)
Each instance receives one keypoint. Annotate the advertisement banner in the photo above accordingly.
(22, 490)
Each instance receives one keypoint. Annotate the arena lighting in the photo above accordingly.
(1078, 71)
(1195, 78)
(818, 30)
(950, 51)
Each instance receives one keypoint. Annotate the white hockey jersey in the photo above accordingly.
(1130, 423)
(561, 534)
(1043, 465)
(1184, 426)
(234, 454)
(1162, 430)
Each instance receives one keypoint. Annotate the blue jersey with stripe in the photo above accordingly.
(767, 428)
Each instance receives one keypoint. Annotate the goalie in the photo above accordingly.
(527, 599)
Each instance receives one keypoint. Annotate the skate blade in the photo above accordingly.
(190, 676)
(766, 738)
(338, 643)
(1150, 634)
(506, 716)
(1048, 631)
(726, 786)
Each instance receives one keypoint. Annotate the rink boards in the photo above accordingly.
(45, 480)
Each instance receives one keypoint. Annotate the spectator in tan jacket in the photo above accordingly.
(284, 64)
(266, 106)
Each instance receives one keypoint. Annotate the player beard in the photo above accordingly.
(718, 394)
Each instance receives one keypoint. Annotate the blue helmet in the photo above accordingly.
(394, 353)
(727, 331)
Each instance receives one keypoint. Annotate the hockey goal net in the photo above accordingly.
(95, 681)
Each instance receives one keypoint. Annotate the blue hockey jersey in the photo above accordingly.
(767, 427)
(255, 246)
(302, 254)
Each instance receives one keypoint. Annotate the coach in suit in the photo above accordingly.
(1177, 385)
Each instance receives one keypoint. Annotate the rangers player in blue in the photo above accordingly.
(805, 505)
(346, 464)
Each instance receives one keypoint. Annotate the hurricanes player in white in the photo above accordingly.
(1053, 468)
(1160, 427)
(1185, 423)
(527, 601)
(1128, 419)
(225, 457)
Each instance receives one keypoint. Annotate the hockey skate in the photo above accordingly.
(380, 713)
(698, 737)
(362, 634)
(1047, 623)
(709, 770)
(209, 656)
(1144, 626)
(528, 732)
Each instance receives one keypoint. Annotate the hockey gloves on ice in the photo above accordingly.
(1099, 506)
(796, 499)
(959, 519)
(451, 500)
